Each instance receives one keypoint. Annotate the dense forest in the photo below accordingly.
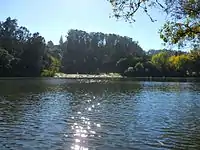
(25, 54)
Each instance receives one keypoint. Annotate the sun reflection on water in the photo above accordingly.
(78, 147)
(83, 128)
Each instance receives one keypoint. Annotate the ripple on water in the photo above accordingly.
(119, 115)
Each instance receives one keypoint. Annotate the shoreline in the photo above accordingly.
(124, 78)
(109, 76)
(88, 76)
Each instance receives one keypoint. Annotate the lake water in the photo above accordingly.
(60, 114)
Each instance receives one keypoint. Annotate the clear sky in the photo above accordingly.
(53, 18)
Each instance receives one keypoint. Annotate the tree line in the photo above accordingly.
(25, 54)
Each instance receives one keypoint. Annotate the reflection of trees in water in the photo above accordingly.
(21, 87)
(99, 88)
(82, 92)
(18, 96)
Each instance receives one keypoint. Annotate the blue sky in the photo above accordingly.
(53, 18)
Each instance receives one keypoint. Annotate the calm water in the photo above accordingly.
(55, 114)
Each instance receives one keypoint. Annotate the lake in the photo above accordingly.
(63, 114)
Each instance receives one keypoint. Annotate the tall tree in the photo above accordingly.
(96, 52)
(161, 62)
(61, 41)
(26, 50)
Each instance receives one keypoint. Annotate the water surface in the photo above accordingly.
(60, 114)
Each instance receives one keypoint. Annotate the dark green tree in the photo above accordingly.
(96, 52)
(27, 50)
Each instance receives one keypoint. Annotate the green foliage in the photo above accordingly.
(139, 67)
(5, 59)
(160, 60)
(55, 64)
(26, 54)
(178, 62)
(5, 62)
(181, 33)
(97, 52)
(53, 68)
(182, 26)
(61, 41)
(47, 73)
(23, 51)
(194, 57)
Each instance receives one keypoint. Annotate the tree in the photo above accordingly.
(5, 62)
(50, 45)
(53, 68)
(97, 52)
(61, 41)
(160, 60)
(183, 25)
(35, 47)
(26, 50)
(26, 54)
(181, 64)
(194, 57)
(13, 37)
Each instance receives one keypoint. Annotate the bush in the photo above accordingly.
(47, 73)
